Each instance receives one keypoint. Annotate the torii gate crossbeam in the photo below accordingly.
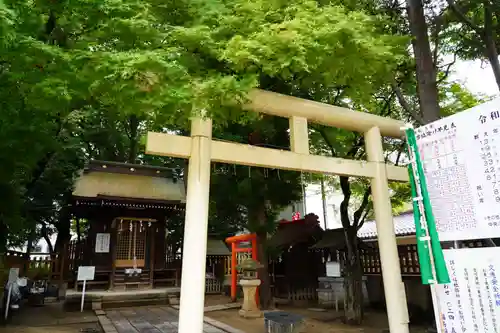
(202, 150)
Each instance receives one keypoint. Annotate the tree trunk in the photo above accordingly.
(44, 162)
(426, 69)
(61, 239)
(63, 224)
(323, 201)
(133, 136)
(63, 233)
(353, 274)
(46, 237)
(262, 257)
(49, 244)
(353, 281)
(491, 45)
(29, 246)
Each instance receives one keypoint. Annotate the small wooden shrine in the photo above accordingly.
(127, 209)
(295, 270)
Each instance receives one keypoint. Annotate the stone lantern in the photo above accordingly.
(249, 282)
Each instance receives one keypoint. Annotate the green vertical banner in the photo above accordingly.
(429, 235)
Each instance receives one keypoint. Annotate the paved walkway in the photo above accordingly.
(151, 320)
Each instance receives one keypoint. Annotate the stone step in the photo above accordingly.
(132, 282)
(137, 279)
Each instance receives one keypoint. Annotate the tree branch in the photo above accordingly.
(364, 203)
(339, 95)
(400, 152)
(363, 219)
(345, 186)
(404, 104)
(448, 68)
(327, 140)
(356, 147)
(435, 36)
(462, 17)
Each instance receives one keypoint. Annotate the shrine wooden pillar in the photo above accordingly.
(114, 240)
(152, 254)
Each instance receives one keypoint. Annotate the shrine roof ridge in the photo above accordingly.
(129, 168)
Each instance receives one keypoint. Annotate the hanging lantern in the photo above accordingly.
(140, 226)
(149, 224)
(130, 226)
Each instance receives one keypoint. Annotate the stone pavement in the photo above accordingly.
(160, 319)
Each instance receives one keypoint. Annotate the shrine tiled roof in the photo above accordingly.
(217, 247)
(404, 225)
(288, 233)
(111, 183)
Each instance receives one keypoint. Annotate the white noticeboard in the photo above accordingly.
(102, 241)
(461, 159)
(86, 273)
(333, 269)
(13, 274)
(471, 302)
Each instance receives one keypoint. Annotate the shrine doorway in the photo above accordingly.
(131, 243)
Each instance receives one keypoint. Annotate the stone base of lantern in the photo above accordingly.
(250, 308)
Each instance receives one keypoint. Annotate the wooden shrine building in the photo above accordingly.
(295, 270)
(126, 209)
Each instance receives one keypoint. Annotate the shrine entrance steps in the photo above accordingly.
(125, 282)
(106, 299)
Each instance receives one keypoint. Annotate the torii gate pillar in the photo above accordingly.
(194, 250)
(395, 297)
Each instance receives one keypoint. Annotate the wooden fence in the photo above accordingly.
(36, 266)
(408, 259)
(370, 259)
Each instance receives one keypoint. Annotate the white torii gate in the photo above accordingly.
(201, 150)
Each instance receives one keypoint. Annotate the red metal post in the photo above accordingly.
(234, 276)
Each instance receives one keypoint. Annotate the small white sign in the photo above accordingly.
(13, 274)
(333, 269)
(471, 301)
(86, 273)
(102, 241)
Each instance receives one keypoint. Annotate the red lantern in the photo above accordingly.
(296, 216)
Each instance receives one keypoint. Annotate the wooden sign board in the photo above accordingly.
(102, 242)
